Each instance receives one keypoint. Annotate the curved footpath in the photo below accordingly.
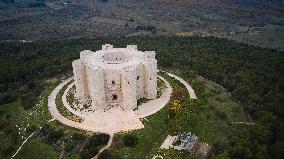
(66, 104)
(154, 106)
(188, 87)
(112, 121)
(144, 109)
(115, 120)
(90, 124)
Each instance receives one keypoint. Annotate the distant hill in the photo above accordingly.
(23, 3)
(256, 22)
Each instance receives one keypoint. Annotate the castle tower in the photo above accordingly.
(128, 79)
(79, 71)
(95, 77)
(115, 77)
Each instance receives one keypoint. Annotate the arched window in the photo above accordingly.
(112, 82)
(137, 78)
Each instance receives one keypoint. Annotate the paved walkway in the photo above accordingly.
(66, 104)
(154, 106)
(114, 120)
(188, 87)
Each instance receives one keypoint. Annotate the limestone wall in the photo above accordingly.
(128, 85)
(116, 76)
(113, 86)
(150, 72)
(79, 71)
(140, 81)
(95, 77)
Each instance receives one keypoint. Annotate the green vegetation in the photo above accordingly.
(93, 145)
(14, 119)
(70, 97)
(36, 149)
(252, 75)
(194, 116)
(141, 101)
(130, 140)
(161, 86)
(62, 109)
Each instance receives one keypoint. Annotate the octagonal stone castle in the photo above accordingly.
(115, 76)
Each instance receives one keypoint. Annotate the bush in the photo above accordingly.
(88, 152)
(90, 149)
(98, 140)
(8, 150)
(27, 101)
(7, 98)
(107, 154)
(221, 115)
(3, 124)
(55, 135)
(77, 139)
(31, 129)
(130, 140)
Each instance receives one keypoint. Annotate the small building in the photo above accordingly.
(115, 76)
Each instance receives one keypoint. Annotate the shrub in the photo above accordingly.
(55, 135)
(107, 154)
(130, 140)
(7, 98)
(98, 140)
(77, 139)
(3, 124)
(88, 152)
(31, 129)
(27, 101)
(221, 115)
(8, 150)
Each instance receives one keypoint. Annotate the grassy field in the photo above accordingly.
(35, 149)
(21, 123)
(209, 120)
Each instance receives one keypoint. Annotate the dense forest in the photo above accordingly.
(254, 76)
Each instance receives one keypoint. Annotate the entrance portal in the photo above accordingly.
(114, 97)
